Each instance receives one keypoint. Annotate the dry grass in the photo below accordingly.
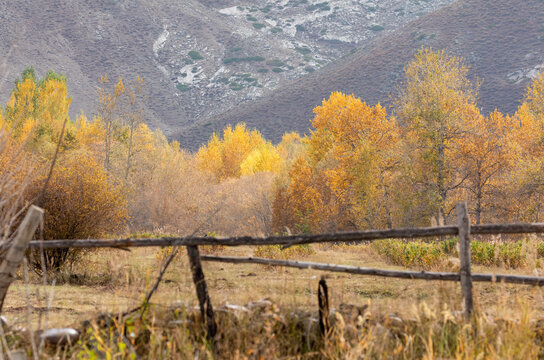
(114, 281)
(15, 176)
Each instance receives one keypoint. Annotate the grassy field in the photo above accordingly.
(111, 281)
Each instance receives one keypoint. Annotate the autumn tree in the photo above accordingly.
(37, 109)
(108, 113)
(342, 180)
(526, 180)
(486, 153)
(223, 157)
(436, 95)
(265, 158)
(534, 97)
(134, 116)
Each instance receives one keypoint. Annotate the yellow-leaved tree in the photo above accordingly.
(223, 157)
(37, 109)
(526, 181)
(436, 96)
(264, 158)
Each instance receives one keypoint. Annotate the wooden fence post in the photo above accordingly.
(206, 309)
(463, 222)
(323, 303)
(17, 249)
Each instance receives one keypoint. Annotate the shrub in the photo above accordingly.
(508, 254)
(182, 87)
(413, 253)
(482, 253)
(243, 59)
(449, 246)
(511, 255)
(324, 6)
(80, 202)
(376, 28)
(195, 55)
(258, 26)
(275, 62)
(236, 86)
(276, 251)
(303, 50)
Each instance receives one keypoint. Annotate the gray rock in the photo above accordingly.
(60, 336)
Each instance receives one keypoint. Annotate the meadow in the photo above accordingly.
(266, 312)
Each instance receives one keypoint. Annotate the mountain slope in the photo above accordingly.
(197, 57)
(501, 40)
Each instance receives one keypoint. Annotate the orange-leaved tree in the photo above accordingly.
(80, 202)
(487, 152)
(342, 181)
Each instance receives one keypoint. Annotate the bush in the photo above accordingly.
(195, 55)
(275, 62)
(236, 86)
(243, 59)
(182, 87)
(80, 202)
(511, 255)
(413, 253)
(276, 252)
(482, 253)
(303, 50)
(377, 28)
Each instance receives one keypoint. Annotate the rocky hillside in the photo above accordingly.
(502, 41)
(198, 58)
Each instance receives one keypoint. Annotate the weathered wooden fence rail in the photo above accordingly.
(342, 237)
(348, 269)
(463, 230)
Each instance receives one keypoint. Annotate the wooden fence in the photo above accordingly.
(463, 230)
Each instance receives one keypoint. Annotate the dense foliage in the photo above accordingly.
(358, 168)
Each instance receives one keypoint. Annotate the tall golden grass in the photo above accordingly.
(15, 176)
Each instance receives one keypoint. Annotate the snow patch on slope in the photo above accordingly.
(159, 43)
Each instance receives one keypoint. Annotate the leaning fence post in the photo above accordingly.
(17, 249)
(463, 222)
(206, 309)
